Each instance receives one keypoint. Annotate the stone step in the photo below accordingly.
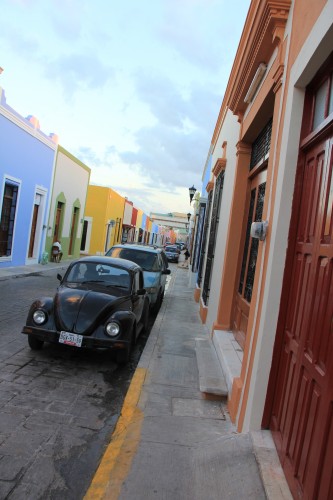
(211, 378)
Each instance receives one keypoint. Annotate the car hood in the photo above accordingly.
(79, 310)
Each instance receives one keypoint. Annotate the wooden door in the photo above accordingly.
(302, 410)
(243, 294)
(33, 230)
(73, 232)
(56, 233)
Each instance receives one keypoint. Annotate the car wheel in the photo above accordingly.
(122, 356)
(35, 344)
(158, 303)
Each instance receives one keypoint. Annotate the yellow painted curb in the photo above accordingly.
(125, 440)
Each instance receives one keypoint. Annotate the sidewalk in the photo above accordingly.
(171, 442)
(20, 271)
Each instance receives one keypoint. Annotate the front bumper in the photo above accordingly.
(90, 342)
(173, 258)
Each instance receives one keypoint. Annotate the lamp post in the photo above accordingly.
(192, 191)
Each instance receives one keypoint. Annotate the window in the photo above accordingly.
(323, 101)
(7, 220)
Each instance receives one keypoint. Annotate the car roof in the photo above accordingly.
(122, 263)
(140, 248)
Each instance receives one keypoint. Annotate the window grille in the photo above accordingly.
(251, 268)
(212, 235)
(204, 238)
(261, 146)
(198, 238)
(7, 221)
(247, 239)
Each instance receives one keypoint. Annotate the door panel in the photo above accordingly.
(302, 409)
(33, 231)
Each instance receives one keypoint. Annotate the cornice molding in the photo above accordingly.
(220, 165)
(243, 148)
(263, 32)
(24, 125)
(210, 186)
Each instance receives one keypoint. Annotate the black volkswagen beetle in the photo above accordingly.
(100, 302)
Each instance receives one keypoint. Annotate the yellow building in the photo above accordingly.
(138, 227)
(103, 220)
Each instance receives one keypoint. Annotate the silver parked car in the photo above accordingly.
(154, 265)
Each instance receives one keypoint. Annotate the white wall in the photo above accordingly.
(229, 133)
(71, 179)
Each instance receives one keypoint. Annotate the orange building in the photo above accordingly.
(265, 290)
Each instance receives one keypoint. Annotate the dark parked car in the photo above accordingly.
(154, 264)
(172, 253)
(100, 302)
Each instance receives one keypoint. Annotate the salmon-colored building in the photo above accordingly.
(265, 290)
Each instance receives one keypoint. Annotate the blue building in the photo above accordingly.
(27, 158)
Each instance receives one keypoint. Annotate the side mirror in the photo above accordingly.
(59, 277)
(141, 291)
(166, 271)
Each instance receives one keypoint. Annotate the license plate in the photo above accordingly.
(70, 339)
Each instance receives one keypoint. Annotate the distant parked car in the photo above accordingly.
(172, 253)
(154, 264)
(100, 302)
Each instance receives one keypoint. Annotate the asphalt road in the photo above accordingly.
(58, 406)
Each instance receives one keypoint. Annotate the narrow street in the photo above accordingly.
(59, 405)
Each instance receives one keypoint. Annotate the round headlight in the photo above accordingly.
(112, 329)
(39, 317)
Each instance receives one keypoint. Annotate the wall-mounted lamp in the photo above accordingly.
(188, 216)
(259, 230)
(255, 82)
(192, 191)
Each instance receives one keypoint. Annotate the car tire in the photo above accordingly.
(158, 303)
(34, 343)
(122, 356)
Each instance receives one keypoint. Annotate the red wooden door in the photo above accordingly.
(302, 416)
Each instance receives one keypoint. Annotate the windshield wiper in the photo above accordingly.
(93, 281)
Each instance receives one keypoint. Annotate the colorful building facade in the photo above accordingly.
(27, 158)
(266, 288)
(103, 220)
(69, 193)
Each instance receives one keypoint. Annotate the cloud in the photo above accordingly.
(175, 148)
(78, 71)
(67, 17)
(186, 26)
(168, 157)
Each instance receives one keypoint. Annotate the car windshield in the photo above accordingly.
(93, 272)
(146, 260)
(171, 249)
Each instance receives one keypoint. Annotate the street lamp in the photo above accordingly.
(192, 191)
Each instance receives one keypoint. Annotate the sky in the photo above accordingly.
(132, 88)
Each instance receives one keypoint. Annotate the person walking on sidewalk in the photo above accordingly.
(56, 251)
